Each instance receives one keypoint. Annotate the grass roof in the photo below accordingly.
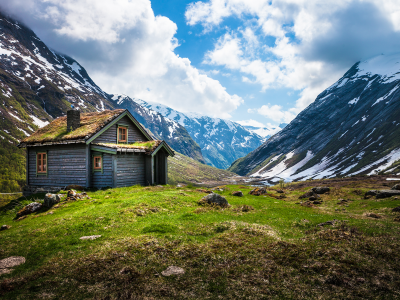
(149, 146)
(57, 130)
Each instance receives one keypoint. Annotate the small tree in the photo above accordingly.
(281, 183)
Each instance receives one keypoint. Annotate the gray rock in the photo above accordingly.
(328, 223)
(396, 187)
(4, 227)
(237, 193)
(321, 189)
(215, 199)
(30, 208)
(172, 270)
(90, 237)
(309, 194)
(371, 193)
(387, 193)
(51, 199)
(11, 261)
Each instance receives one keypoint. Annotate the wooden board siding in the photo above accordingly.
(130, 169)
(66, 164)
(110, 135)
(104, 179)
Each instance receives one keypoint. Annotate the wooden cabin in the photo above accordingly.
(104, 149)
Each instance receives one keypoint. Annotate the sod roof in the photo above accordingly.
(148, 147)
(56, 131)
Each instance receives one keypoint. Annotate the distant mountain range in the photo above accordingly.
(221, 141)
(353, 127)
(265, 132)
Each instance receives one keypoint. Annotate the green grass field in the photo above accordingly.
(271, 250)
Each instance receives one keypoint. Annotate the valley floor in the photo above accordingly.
(261, 247)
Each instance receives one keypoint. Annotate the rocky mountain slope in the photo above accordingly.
(353, 127)
(38, 85)
(221, 141)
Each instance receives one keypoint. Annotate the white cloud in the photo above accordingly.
(276, 113)
(127, 49)
(251, 122)
(315, 42)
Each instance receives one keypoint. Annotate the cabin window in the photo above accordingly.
(122, 134)
(97, 163)
(41, 162)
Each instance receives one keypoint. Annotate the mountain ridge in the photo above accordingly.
(351, 128)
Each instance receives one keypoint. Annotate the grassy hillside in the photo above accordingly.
(259, 248)
(187, 170)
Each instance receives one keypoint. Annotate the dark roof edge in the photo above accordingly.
(166, 146)
(65, 142)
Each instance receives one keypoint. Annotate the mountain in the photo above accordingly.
(163, 128)
(221, 141)
(352, 127)
(265, 132)
(38, 85)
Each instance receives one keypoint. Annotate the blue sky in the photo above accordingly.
(256, 62)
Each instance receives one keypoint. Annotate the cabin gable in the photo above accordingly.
(110, 135)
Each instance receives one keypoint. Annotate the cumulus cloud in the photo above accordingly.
(126, 49)
(315, 42)
(275, 113)
(251, 122)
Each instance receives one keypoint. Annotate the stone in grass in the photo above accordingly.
(321, 189)
(396, 187)
(7, 263)
(372, 215)
(258, 191)
(30, 208)
(4, 227)
(173, 270)
(309, 194)
(280, 191)
(397, 219)
(215, 199)
(90, 237)
(51, 199)
(328, 223)
(396, 209)
(237, 193)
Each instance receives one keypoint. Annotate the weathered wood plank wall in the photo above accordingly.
(66, 165)
(130, 169)
(104, 179)
(110, 135)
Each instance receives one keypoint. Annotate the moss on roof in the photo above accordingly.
(57, 130)
(149, 146)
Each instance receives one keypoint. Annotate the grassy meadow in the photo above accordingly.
(261, 247)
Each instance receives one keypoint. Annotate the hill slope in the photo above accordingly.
(351, 128)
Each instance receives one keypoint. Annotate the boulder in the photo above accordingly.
(237, 193)
(11, 262)
(51, 199)
(309, 194)
(396, 209)
(4, 227)
(370, 193)
(258, 191)
(215, 199)
(172, 270)
(71, 194)
(30, 208)
(321, 189)
(313, 198)
(280, 191)
(387, 193)
(396, 187)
